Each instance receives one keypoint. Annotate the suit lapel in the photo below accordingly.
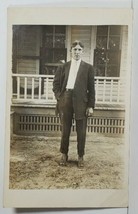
(66, 74)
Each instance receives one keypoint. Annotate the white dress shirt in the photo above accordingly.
(73, 73)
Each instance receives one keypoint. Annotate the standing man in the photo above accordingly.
(74, 90)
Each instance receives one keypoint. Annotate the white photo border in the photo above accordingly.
(62, 198)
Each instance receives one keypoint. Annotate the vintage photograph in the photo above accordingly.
(59, 108)
(69, 107)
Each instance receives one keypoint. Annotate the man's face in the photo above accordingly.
(76, 52)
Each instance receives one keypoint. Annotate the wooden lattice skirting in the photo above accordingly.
(46, 124)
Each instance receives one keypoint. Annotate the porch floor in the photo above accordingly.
(41, 103)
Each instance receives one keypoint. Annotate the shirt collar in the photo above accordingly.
(76, 61)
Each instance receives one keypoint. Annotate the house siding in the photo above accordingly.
(83, 33)
(28, 45)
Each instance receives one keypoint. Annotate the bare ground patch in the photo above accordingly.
(34, 164)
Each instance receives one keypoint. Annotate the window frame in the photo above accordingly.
(108, 50)
(52, 65)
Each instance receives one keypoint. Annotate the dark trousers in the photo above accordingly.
(66, 116)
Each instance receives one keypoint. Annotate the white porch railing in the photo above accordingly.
(110, 90)
(38, 89)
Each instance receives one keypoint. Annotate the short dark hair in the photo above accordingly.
(77, 42)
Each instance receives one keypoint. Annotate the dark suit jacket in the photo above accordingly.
(84, 88)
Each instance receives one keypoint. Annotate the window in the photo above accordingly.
(107, 53)
(53, 51)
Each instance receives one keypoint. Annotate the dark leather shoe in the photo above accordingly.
(63, 161)
(80, 162)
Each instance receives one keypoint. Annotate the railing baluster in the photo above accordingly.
(32, 88)
(18, 87)
(47, 92)
(25, 88)
(111, 97)
(39, 88)
(97, 89)
(104, 89)
(118, 91)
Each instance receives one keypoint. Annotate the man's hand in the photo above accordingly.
(89, 112)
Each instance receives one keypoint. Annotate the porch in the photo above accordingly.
(33, 104)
